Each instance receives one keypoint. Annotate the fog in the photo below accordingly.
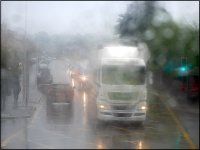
(101, 74)
(97, 17)
(63, 17)
(183, 11)
(77, 29)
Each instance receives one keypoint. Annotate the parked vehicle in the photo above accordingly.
(190, 85)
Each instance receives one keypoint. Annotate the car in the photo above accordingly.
(33, 60)
(44, 61)
(44, 76)
(75, 71)
(190, 85)
(42, 66)
(85, 80)
(59, 93)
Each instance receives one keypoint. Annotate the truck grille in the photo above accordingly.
(122, 96)
(123, 107)
(120, 107)
(122, 114)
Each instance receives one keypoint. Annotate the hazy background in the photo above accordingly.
(77, 29)
(98, 17)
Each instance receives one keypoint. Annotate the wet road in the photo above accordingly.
(75, 126)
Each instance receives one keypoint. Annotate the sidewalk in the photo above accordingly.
(22, 110)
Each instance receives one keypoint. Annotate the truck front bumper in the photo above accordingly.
(121, 116)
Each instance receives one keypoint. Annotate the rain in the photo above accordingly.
(100, 74)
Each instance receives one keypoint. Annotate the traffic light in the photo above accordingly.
(183, 68)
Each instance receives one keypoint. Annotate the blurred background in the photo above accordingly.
(60, 37)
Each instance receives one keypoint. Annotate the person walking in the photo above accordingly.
(15, 84)
(4, 87)
(16, 89)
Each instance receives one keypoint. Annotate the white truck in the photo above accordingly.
(121, 80)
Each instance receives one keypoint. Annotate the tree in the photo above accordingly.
(167, 40)
(13, 47)
(136, 19)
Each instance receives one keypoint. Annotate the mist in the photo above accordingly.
(63, 17)
(77, 17)
(100, 74)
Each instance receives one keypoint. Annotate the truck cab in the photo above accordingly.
(122, 91)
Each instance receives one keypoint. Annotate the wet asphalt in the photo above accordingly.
(66, 126)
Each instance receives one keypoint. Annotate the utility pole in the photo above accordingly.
(26, 64)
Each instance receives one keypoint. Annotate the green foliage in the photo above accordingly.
(137, 18)
(13, 47)
(167, 40)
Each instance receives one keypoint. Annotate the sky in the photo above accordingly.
(82, 17)
(181, 11)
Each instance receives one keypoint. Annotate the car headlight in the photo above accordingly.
(83, 78)
(142, 106)
(103, 105)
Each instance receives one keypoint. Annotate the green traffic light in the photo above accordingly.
(183, 68)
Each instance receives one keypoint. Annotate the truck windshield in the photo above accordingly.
(123, 74)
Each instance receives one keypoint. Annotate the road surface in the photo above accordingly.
(65, 126)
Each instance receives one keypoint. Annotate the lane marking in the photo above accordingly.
(8, 139)
(178, 123)
(180, 128)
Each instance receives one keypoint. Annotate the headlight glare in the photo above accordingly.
(103, 106)
(83, 78)
(142, 106)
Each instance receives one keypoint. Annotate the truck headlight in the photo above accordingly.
(142, 106)
(102, 105)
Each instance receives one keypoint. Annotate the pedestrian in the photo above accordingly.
(16, 89)
(4, 87)
(15, 84)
